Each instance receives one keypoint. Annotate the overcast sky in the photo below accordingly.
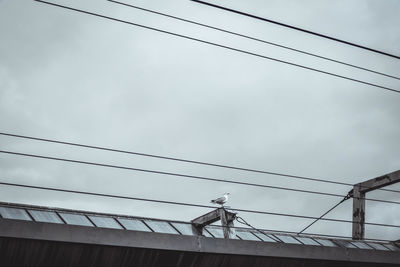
(79, 78)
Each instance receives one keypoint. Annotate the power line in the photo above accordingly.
(185, 175)
(223, 46)
(243, 221)
(184, 160)
(85, 212)
(168, 173)
(253, 38)
(186, 204)
(267, 231)
(298, 29)
(319, 218)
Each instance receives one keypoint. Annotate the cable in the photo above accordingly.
(169, 173)
(186, 204)
(185, 175)
(254, 39)
(243, 221)
(117, 216)
(182, 160)
(266, 231)
(30, 207)
(308, 217)
(298, 29)
(222, 46)
(340, 202)
(269, 231)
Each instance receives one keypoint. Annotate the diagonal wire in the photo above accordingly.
(254, 39)
(186, 204)
(319, 218)
(117, 216)
(243, 221)
(168, 173)
(185, 175)
(184, 160)
(223, 46)
(297, 28)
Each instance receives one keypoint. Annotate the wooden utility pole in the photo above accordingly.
(358, 194)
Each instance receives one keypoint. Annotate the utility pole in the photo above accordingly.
(358, 194)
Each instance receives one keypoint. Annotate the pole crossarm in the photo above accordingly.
(379, 182)
(222, 214)
(358, 194)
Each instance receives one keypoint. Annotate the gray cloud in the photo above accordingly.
(73, 77)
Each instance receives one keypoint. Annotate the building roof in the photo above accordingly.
(25, 222)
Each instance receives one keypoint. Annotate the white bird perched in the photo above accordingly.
(221, 200)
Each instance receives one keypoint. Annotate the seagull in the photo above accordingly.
(221, 200)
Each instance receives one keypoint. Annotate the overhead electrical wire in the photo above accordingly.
(216, 165)
(85, 213)
(297, 28)
(222, 46)
(185, 175)
(184, 160)
(253, 38)
(243, 221)
(168, 173)
(187, 204)
(320, 217)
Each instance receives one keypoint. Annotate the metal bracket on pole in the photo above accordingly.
(222, 214)
(358, 194)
